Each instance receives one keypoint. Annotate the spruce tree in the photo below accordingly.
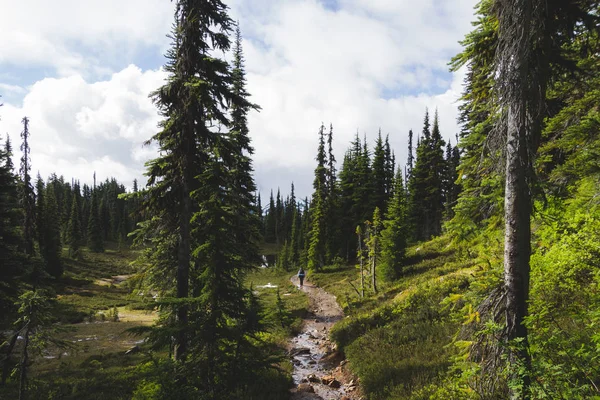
(74, 239)
(379, 179)
(40, 212)
(27, 195)
(348, 209)
(11, 262)
(411, 160)
(390, 168)
(451, 187)
(317, 239)
(198, 218)
(94, 230)
(271, 221)
(437, 174)
(332, 226)
(426, 202)
(394, 234)
(364, 184)
(374, 245)
(279, 227)
(52, 253)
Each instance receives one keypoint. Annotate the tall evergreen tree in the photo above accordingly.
(94, 234)
(374, 245)
(271, 221)
(199, 219)
(40, 212)
(437, 174)
(426, 185)
(379, 179)
(394, 234)
(8, 153)
(390, 168)
(317, 240)
(27, 195)
(332, 226)
(411, 160)
(451, 187)
(10, 218)
(279, 228)
(419, 218)
(52, 251)
(74, 234)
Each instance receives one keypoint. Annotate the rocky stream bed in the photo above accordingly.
(319, 370)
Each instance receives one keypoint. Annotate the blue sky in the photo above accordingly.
(82, 71)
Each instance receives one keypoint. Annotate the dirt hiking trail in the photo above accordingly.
(319, 370)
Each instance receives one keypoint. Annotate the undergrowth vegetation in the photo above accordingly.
(435, 332)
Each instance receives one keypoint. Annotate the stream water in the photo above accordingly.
(311, 350)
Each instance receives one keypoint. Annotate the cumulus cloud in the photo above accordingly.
(362, 65)
(79, 127)
(81, 36)
(359, 64)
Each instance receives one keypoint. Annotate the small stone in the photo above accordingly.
(343, 362)
(306, 388)
(298, 351)
(133, 350)
(335, 384)
(313, 378)
(327, 379)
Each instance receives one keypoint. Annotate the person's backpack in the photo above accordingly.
(301, 273)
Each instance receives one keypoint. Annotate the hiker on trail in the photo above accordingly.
(301, 276)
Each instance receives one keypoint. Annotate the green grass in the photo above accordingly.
(295, 302)
(87, 287)
(398, 340)
(89, 301)
(94, 364)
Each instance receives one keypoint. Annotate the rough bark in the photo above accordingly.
(517, 240)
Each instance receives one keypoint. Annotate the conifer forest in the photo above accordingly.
(458, 265)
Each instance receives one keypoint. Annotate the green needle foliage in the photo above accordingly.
(94, 229)
(394, 234)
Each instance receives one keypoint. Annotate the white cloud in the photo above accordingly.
(79, 127)
(365, 65)
(362, 65)
(80, 36)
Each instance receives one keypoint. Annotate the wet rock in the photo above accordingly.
(327, 379)
(133, 350)
(300, 350)
(335, 384)
(313, 378)
(306, 388)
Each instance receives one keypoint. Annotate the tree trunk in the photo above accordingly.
(360, 259)
(6, 361)
(517, 245)
(23, 372)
